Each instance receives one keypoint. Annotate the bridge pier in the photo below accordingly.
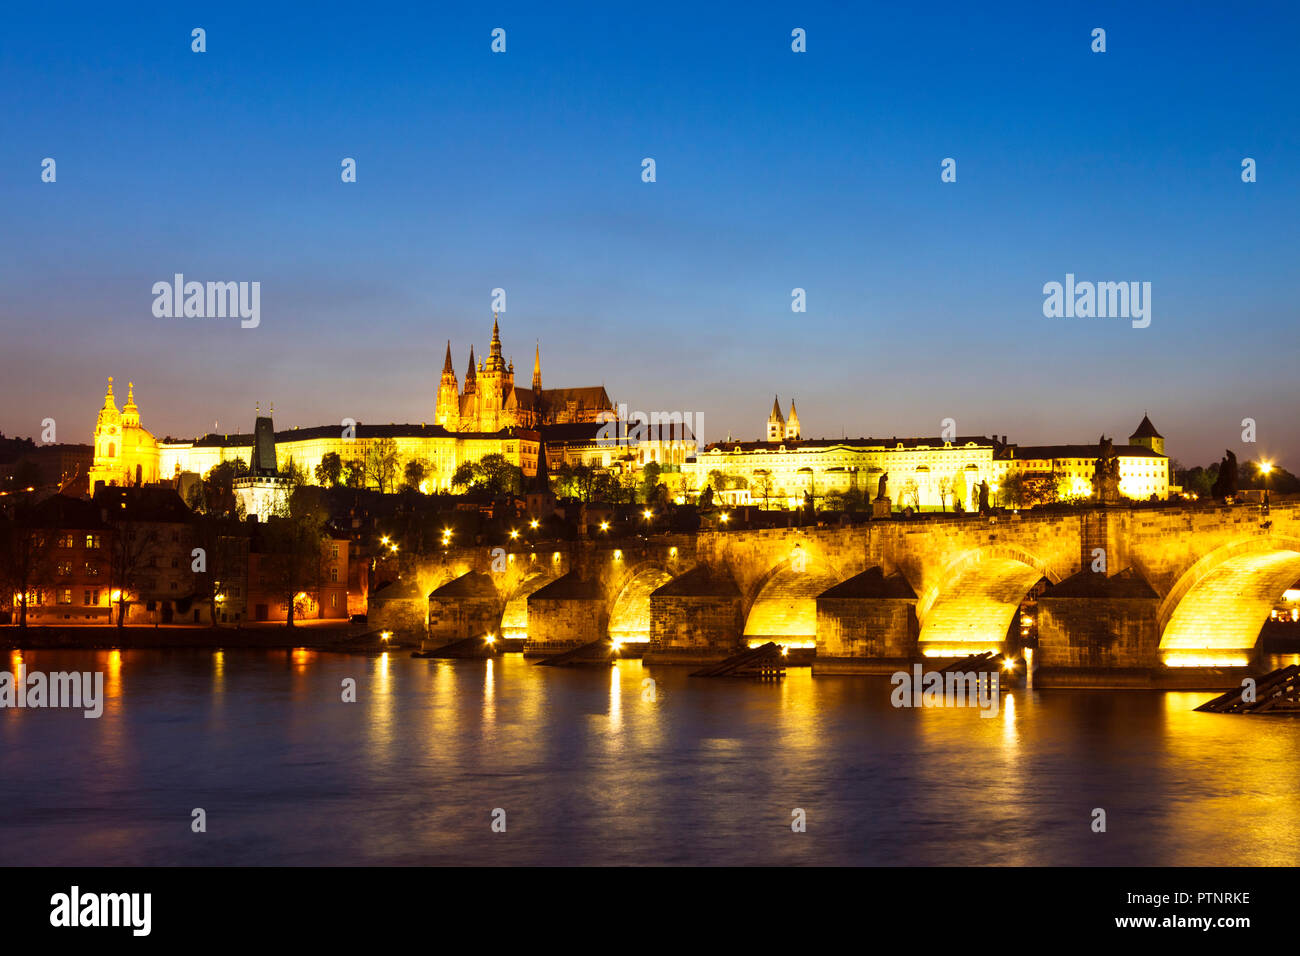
(468, 606)
(1093, 628)
(694, 618)
(569, 612)
(866, 625)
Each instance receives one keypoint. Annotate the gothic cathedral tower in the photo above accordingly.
(447, 410)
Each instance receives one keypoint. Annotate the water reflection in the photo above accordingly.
(591, 770)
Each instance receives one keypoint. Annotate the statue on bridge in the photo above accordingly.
(984, 497)
(1105, 472)
(1225, 485)
(881, 485)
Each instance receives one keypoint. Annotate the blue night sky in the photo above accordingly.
(775, 170)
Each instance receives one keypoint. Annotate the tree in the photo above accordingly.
(498, 476)
(1029, 491)
(215, 494)
(1197, 481)
(132, 548)
(292, 548)
(354, 473)
(26, 555)
(1278, 479)
(463, 476)
(575, 481)
(911, 495)
(295, 472)
(416, 471)
(945, 490)
(850, 500)
(649, 482)
(380, 464)
(330, 470)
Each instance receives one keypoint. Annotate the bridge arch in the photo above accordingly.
(514, 615)
(974, 598)
(629, 614)
(782, 604)
(1214, 611)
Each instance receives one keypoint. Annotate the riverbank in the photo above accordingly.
(338, 637)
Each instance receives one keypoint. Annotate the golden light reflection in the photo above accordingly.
(785, 645)
(960, 650)
(615, 699)
(1204, 658)
(489, 693)
(379, 722)
(218, 672)
(113, 683)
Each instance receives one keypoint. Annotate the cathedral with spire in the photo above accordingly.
(490, 400)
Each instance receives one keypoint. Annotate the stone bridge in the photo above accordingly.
(1143, 590)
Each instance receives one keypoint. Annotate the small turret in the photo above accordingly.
(471, 383)
(130, 411)
(776, 422)
(1147, 436)
(108, 414)
(792, 424)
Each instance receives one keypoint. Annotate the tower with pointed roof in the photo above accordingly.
(495, 382)
(471, 383)
(792, 424)
(447, 409)
(776, 422)
(1147, 436)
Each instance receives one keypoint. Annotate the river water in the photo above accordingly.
(587, 770)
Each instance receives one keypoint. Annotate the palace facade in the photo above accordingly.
(923, 473)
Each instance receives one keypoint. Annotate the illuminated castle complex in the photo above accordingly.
(491, 400)
(492, 416)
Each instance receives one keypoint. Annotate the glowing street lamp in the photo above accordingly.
(604, 526)
(647, 514)
(514, 532)
(725, 517)
(534, 524)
